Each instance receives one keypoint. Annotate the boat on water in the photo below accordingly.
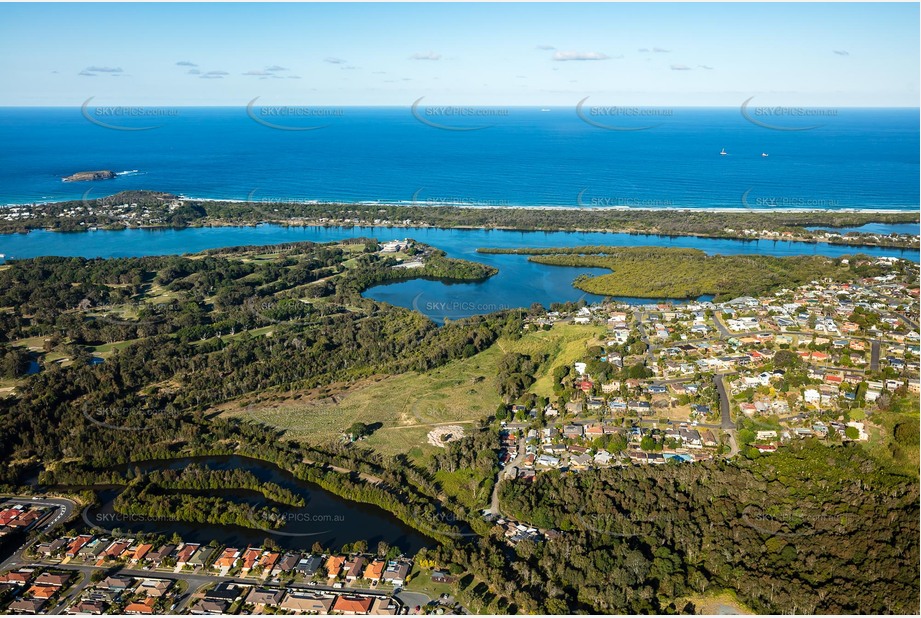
(764, 154)
(545, 109)
(723, 152)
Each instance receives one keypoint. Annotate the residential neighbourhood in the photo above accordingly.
(20, 518)
(696, 380)
(97, 574)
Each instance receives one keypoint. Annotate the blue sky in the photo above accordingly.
(823, 54)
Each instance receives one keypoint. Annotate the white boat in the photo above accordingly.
(723, 152)
(764, 154)
(545, 110)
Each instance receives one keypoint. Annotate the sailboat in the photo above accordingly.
(723, 152)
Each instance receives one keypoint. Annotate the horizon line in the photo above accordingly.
(478, 105)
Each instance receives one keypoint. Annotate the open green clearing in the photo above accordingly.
(410, 405)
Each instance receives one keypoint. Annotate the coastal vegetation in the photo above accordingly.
(665, 272)
(795, 531)
(159, 209)
(155, 502)
(192, 477)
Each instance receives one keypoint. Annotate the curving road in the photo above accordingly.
(63, 512)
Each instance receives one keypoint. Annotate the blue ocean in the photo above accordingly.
(856, 159)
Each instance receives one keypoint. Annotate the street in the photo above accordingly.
(63, 512)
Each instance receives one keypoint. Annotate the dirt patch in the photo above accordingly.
(440, 436)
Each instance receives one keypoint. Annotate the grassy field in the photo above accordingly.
(408, 406)
(105, 350)
(904, 458)
(566, 344)
(717, 604)
(420, 580)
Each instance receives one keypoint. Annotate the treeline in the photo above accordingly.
(148, 500)
(605, 250)
(198, 478)
(515, 374)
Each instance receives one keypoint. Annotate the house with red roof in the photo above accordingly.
(77, 544)
(352, 604)
(143, 607)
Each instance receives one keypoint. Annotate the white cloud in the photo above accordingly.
(275, 68)
(334, 60)
(842, 52)
(563, 56)
(103, 69)
(546, 47)
(704, 66)
(185, 63)
(429, 55)
(680, 67)
(214, 75)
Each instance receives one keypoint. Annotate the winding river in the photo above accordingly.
(326, 518)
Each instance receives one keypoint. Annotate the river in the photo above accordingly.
(328, 519)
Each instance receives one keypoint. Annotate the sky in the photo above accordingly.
(687, 54)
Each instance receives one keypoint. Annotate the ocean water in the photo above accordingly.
(857, 158)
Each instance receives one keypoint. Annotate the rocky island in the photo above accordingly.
(97, 175)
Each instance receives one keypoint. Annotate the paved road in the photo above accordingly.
(725, 419)
(76, 590)
(724, 332)
(650, 349)
(874, 355)
(412, 599)
(494, 500)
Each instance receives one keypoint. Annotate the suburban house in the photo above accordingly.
(396, 572)
(351, 605)
(375, 571)
(354, 568)
(262, 597)
(155, 587)
(287, 563)
(301, 603)
(227, 560)
(334, 566)
(308, 565)
(141, 607)
(141, 552)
